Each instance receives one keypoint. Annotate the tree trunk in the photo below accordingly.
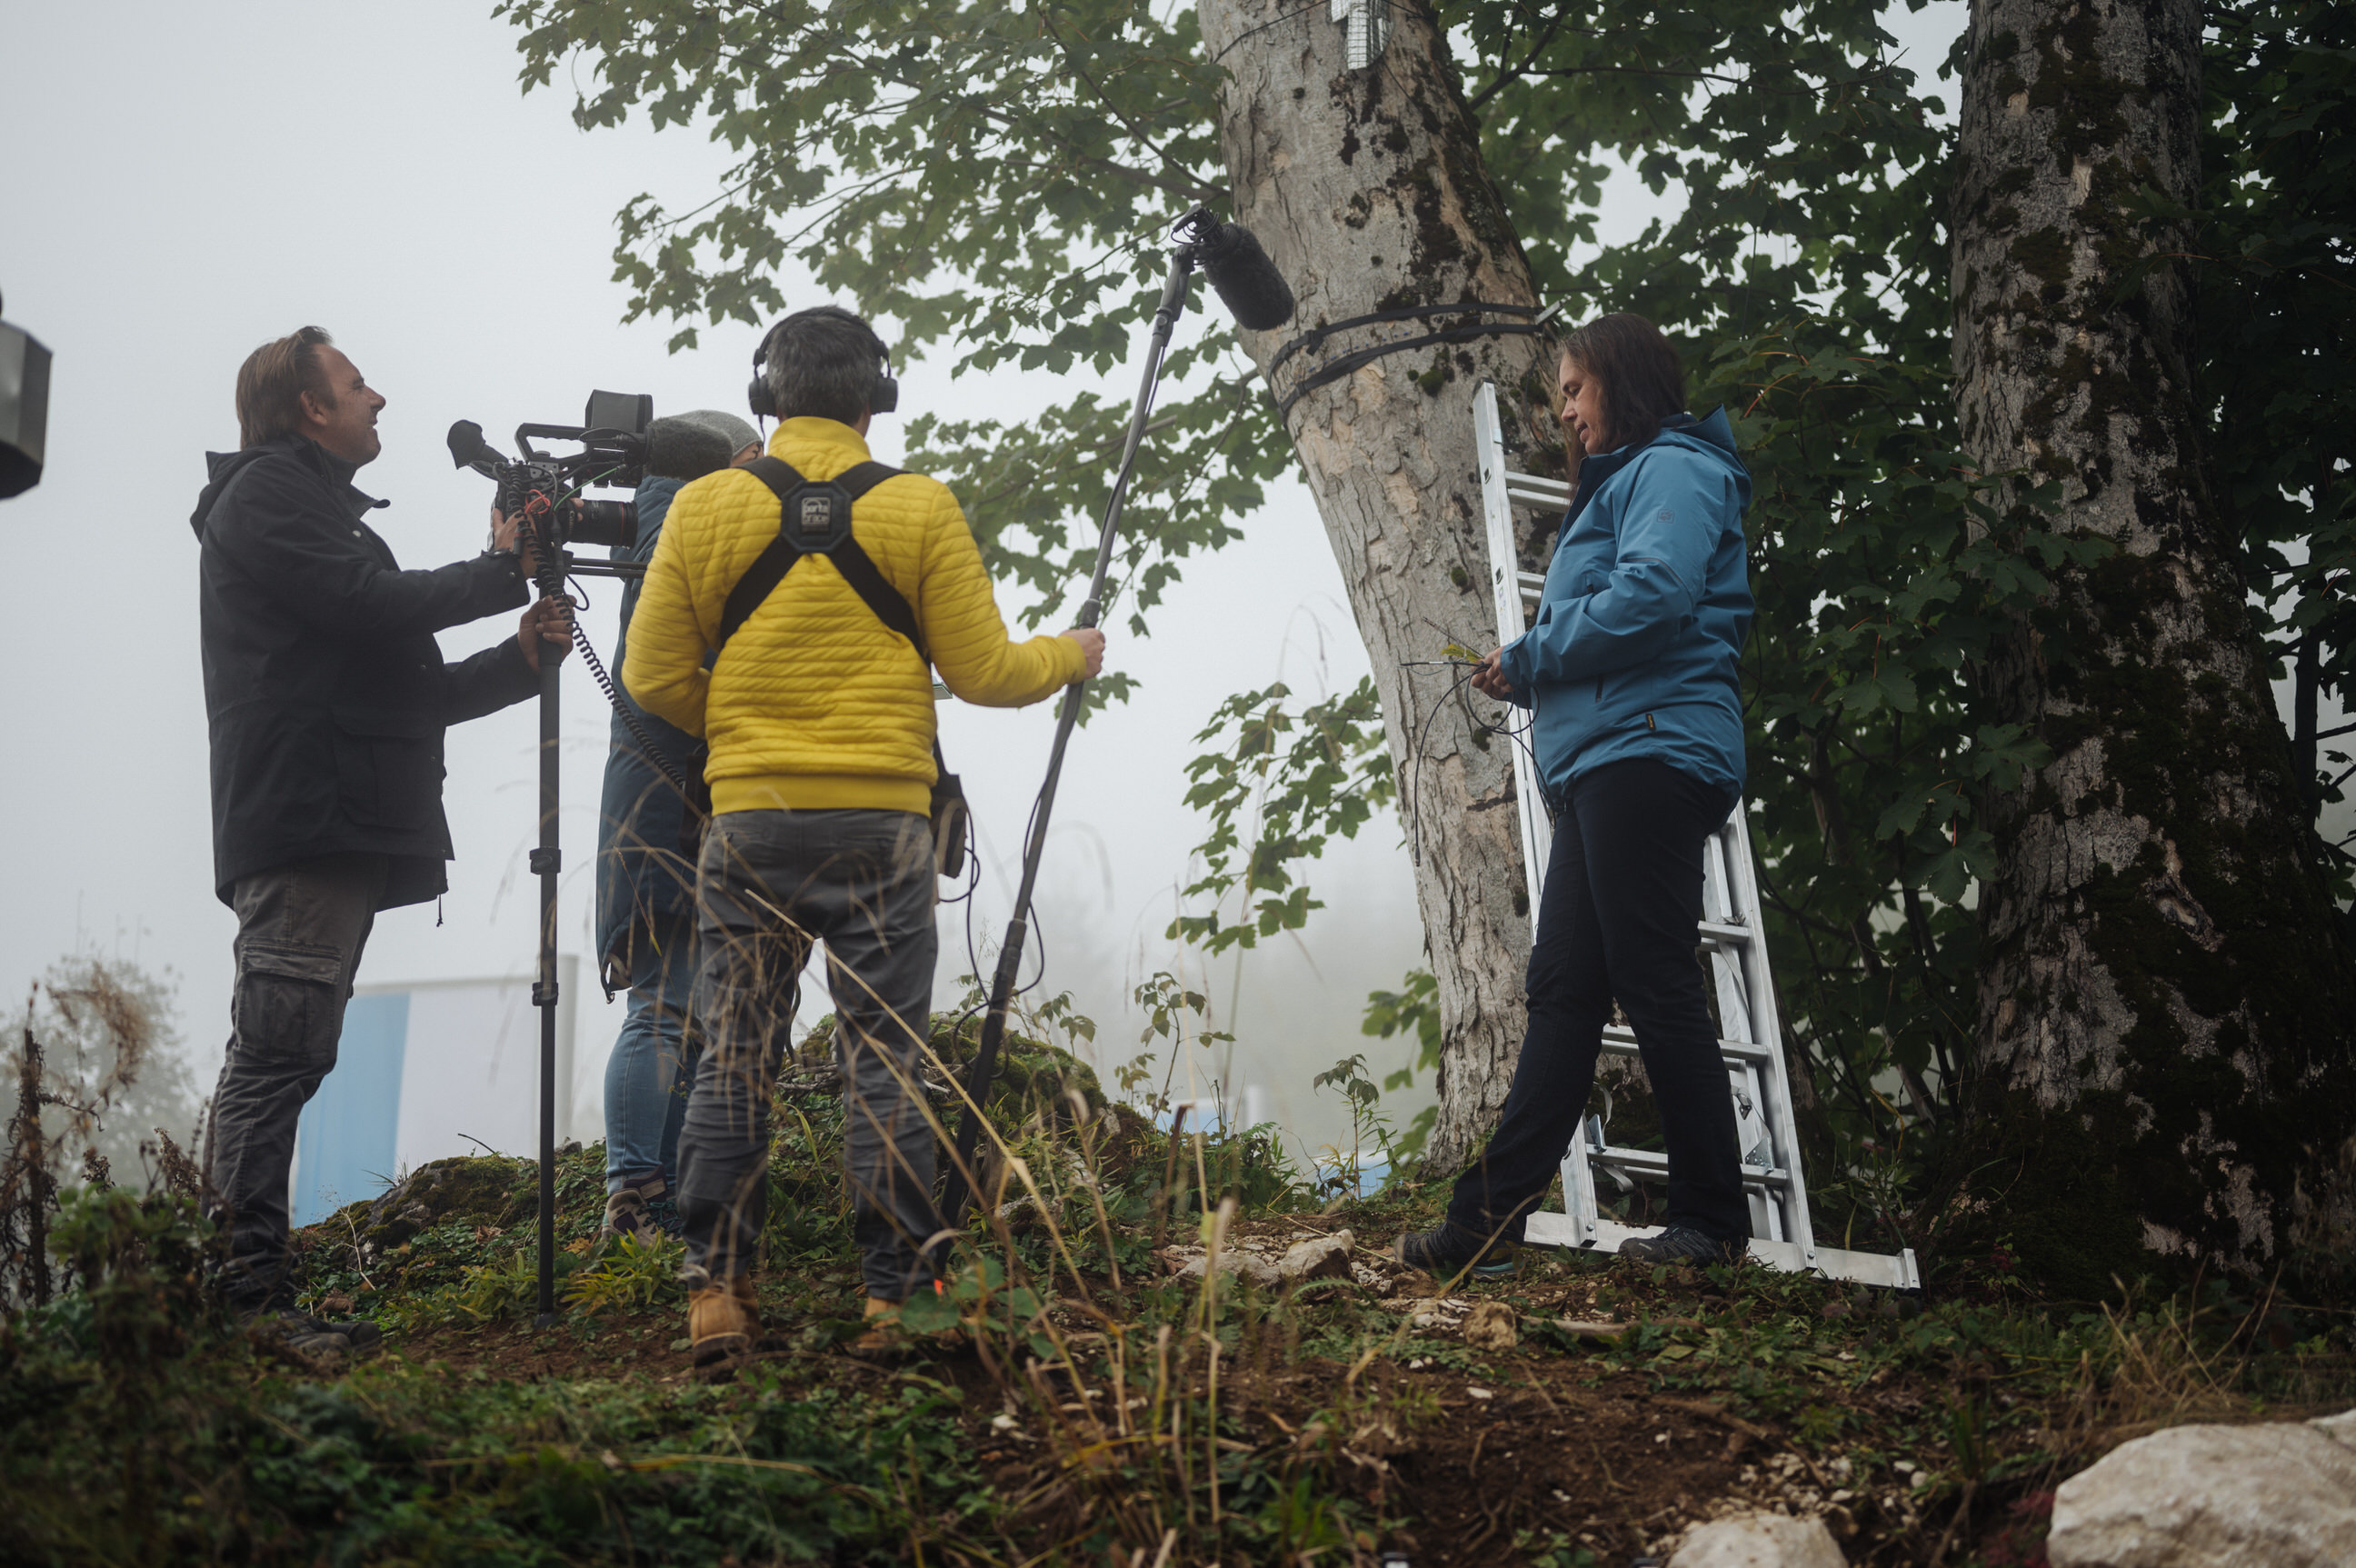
(2165, 995)
(1368, 190)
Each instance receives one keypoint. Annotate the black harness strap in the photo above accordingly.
(858, 569)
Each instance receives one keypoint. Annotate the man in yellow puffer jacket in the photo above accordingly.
(820, 720)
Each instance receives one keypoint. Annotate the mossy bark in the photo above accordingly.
(1368, 188)
(2165, 995)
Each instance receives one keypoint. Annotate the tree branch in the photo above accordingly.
(1514, 73)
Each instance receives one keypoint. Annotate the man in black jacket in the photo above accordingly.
(328, 698)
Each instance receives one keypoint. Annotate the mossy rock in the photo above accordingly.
(487, 1188)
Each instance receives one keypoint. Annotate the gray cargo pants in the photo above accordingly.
(768, 885)
(300, 929)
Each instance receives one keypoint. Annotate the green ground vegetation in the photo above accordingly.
(1075, 1397)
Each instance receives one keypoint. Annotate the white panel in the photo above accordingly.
(471, 1074)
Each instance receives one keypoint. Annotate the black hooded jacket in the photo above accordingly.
(326, 693)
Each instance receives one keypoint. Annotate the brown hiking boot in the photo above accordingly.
(888, 1336)
(723, 1329)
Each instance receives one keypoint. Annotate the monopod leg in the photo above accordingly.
(546, 861)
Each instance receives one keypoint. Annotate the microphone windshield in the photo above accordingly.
(1255, 293)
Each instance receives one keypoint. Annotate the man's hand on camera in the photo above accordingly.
(1489, 678)
(1091, 643)
(507, 538)
(548, 623)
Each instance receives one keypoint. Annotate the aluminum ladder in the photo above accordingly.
(1731, 934)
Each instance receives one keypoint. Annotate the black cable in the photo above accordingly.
(628, 712)
(1279, 17)
(1316, 334)
(1334, 369)
(1419, 734)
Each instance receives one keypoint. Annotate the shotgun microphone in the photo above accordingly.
(1248, 282)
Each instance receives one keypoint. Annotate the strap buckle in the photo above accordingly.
(817, 517)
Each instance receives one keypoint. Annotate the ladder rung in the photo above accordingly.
(1529, 489)
(1653, 1163)
(1621, 1041)
(1900, 1273)
(1720, 933)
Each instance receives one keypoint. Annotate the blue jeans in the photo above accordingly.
(646, 1077)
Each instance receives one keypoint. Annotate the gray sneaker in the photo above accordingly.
(1681, 1244)
(639, 1212)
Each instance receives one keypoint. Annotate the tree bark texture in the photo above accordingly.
(2166, 996)
(1368, 190)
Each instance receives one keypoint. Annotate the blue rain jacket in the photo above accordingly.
(1636, 647)
(642, 876)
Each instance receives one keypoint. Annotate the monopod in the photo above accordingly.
(1242, 275)
(542, 491)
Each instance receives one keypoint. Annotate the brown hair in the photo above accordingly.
(272, 381)
(1642, 382)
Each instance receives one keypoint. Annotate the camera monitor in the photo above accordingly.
(629, 413)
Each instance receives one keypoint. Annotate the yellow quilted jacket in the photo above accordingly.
(815, 705)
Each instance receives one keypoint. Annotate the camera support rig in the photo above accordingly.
(541, 492)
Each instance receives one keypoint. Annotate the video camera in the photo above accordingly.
(546, 488)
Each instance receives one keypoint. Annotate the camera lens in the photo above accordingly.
(612, 524)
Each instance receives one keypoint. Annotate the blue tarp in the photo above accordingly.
(344, 1147)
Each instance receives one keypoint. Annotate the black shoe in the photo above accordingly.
(309, 1336)
(1681, 1244)
(1452, 1249)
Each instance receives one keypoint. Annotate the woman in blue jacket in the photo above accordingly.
(1631, 669)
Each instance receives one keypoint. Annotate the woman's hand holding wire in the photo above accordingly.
(1489, 679)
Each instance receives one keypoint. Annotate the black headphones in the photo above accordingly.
(883, 399)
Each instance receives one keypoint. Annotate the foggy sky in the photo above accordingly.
(181, 184)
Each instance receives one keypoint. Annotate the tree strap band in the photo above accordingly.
(1334, 369)
(1316, 334)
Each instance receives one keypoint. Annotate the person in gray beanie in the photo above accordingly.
(743, 441)
(645, 881)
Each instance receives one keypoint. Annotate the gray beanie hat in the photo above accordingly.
(682, 448)
(727, 426)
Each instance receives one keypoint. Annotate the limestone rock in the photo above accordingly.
(2279, 1496)
(2341, 1428)
(1760, 1541)
(1258, 1270)
(1490, 1326)
(1319, 1258)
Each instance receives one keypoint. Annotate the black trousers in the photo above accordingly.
(1623, 896)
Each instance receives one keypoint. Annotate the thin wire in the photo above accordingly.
(1279, 17)
(1418, 736)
